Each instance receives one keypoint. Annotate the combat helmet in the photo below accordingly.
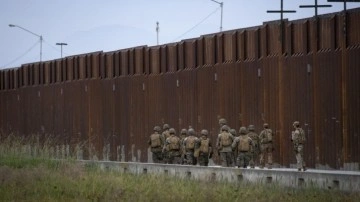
(266, 125)
(242, 130)
(225, 128)
(296, 124)
(172, 131)
(157, 128)
(204, 132)
(251, 128)
(222, 121)
(166, 126)
(191, 131)
(233, 132)
(183, 131)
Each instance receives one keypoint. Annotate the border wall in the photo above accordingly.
(110, 101)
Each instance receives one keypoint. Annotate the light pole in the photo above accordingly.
(221, 6)
(61, 45)
(40, 36)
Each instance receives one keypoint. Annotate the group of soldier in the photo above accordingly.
(186, 148)
(242, 149)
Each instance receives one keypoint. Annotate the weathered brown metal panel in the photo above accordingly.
(185, 85)
(117, 63)
(58, 71)
(163, 59)
(121, 110)
(327, 33)
(274, 39)
(172, 57)
(298, 102)
(241, 46)
(200, 52)
(209, 50)
(353, 28)
(102, 66)
(81, 60)
(147, 61)
(95, 65)
(327, 108)
(190, 53)
(132, 61)
(181, 56)
(124, 57)
(69, 68)
(205, 102)
(299, 38)
(252, 43)
(36, 74)
(219, 49)
(352, 140)
(154, 60)
(139, 60)
(47, 75)
(109, 65)
(229, 46)
(263, 41)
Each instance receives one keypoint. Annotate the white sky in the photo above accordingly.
(108, 25)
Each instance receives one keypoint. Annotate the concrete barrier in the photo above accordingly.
(324, 179)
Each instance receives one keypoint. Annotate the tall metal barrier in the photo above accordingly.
(108, 102)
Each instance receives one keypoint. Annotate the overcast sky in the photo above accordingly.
(108, 25)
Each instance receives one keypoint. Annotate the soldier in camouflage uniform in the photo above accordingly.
(204, 149)
(243, 144)
(165, 134)
(189, 147)
(156, 142)
(298, 139)
(172, 147)
(223, 143)
(266, 146)
(235, 151)
(183, 135)
(255, 150)
(222, 122)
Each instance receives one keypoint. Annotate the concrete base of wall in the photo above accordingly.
(324, 179)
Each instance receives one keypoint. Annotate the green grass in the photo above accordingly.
(27, 178)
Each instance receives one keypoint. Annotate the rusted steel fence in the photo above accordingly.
(111, 101)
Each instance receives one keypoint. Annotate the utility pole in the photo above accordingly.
(157, 33)
(221, 17)
(40, 36)
(61, 45)
(281, 11)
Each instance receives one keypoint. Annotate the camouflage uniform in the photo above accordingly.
(223, 143)
(172, 147)
(204, 149)
(243, 144)
(189, 148)
(165, 134)
(235, 151)
(255, 150)
(298, 139)
(183, 135)
(156, 142)
(266, 146)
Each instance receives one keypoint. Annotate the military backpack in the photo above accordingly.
(204, 145)
(174, 143)
(225, 139)
(155, 140)
(244, 143)
(190, 142)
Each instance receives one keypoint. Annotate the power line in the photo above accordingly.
(22, 55)
(197, 24)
